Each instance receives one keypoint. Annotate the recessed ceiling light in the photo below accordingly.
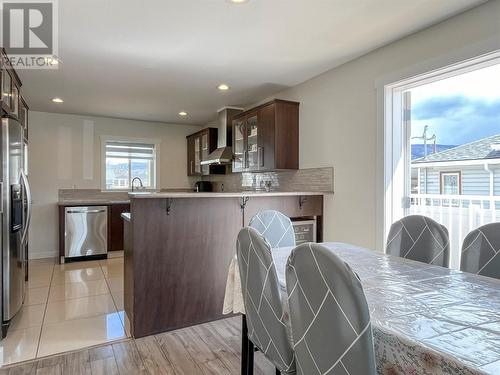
(223, 87)
(183, 114)
(238, 1)
(57, 100)
(53, 60)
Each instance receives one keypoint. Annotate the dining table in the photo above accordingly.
(426, 319)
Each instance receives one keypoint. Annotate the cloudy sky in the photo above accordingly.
(460, 109)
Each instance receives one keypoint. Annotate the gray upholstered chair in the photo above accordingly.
(276, 228)
(265, 315)
(330, 319)
(481, 251)
(419, 238)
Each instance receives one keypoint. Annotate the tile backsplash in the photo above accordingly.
(97, 194)
(311, 179)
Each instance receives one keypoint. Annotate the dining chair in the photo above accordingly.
(419, 238)
(480, 251)
(265, 314)
(276, 228)
(331, 325)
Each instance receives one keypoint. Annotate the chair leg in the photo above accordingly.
(251, 351)
(244, 346)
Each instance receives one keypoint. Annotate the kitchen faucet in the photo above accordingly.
(140, 182)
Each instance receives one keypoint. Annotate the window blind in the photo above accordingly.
(130, 150)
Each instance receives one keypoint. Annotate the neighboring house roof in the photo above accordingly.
(418, 149)
(486, 148)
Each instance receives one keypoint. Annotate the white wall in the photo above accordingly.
(61, 157)
(339, 111)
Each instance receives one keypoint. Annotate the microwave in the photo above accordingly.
(305, 231)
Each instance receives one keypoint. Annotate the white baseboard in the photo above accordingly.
(40, 254)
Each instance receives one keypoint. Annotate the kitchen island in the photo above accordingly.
(178, 247)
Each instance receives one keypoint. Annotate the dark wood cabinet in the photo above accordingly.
(266, 138)
(6, 89)
(175, 265)
(199, 146)
(177, 253)
(115, 226)
(190, 156)
(10, 86)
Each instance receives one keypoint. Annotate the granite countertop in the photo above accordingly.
(90, 202)
(222, 194)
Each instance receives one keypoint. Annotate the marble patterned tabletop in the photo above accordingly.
(426, 319)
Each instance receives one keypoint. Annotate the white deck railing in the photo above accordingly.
(459, 213)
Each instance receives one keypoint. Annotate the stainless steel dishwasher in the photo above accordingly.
(86, 231)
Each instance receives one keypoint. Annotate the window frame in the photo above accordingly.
(156, 169)
(442, 174)
(392, 134)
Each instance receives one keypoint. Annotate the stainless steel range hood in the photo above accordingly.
(224, 153)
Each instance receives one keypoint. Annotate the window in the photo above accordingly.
(440, 133)
(125, 160)
(451, 183)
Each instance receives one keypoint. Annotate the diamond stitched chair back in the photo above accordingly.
(329, 314)
(276, 228)
(481, 251)
(419, 238)
(262, 300)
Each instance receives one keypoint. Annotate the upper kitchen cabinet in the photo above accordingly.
(199, 146)
(267, 137)
(10, 88)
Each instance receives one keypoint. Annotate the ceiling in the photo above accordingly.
(150, 60)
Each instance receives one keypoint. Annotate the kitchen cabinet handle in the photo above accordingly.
(85, 211)
(261, 156)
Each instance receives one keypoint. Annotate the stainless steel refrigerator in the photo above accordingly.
(15, 207)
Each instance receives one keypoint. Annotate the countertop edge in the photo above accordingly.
(226, 195)
(90, 202)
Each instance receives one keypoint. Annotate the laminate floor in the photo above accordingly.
(210, 348)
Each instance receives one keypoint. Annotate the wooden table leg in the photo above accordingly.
(244, 345)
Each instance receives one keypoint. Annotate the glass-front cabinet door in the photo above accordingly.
(205, 169)
(239, 145)
(6, 88)
(197, 155)
(252, 147)
(15, 100)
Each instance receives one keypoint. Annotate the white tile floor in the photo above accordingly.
(67, 307)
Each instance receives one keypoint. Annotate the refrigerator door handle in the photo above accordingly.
(28, 210)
